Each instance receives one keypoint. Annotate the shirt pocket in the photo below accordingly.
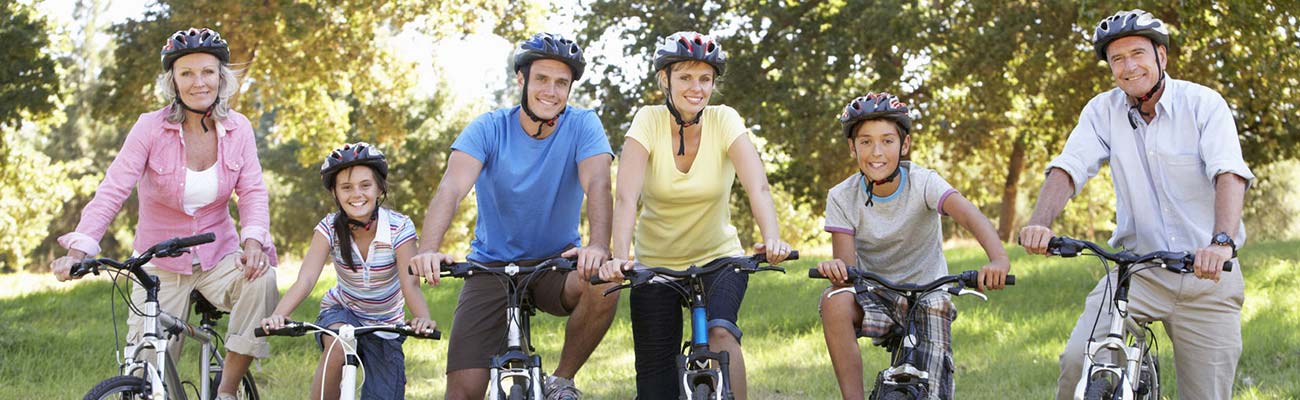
(1186, 176)
(161, 172)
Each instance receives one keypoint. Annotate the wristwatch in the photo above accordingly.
(1222, 239)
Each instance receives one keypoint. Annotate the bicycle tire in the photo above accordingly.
(247, 384)
(119, 387)
(516, 392)
(1100, 388)
(702, 392)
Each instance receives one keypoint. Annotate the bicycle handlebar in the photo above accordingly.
(747, 265)
(469, 268)
(295, 328)
(968, 279)
(1175, 261)
(167, 248)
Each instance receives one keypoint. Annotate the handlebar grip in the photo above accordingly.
(1011, 280)
(196, 240)
(595, 280)
(83, 267)
(291, 328)
(815, 274)
(1227, 266)
(762, 257)
(435, 335)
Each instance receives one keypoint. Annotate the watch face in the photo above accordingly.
(1222, 239)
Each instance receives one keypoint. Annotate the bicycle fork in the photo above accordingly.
(694, 366)
(515, 366)
(1114, 344)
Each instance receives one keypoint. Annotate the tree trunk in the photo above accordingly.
(1007, 219)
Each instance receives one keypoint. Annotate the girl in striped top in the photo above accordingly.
(369, 246)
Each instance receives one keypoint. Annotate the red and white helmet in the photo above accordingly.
(687, 46)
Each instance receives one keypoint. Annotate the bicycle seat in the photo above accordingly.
(205, 308)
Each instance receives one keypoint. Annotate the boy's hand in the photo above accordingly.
(994, 275)
(1034, 239)
(422, 325)
(835, 271)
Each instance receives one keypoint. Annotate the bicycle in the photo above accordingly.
(702, 374)
(158, 379)
(1134, 372)
(902, 380)
(517, 373)
(347, 336)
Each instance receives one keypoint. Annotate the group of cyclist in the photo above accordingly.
(1179, 180)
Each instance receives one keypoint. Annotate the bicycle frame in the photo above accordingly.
(517, 368)
(347, 334)
(697, 365)
(902, 370)
(1126, 337)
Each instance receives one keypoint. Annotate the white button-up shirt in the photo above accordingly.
(1163, 170)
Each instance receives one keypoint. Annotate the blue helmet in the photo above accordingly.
(551, 46)
(876, 106)
(687, 46)
(1128, 23)
(194, 40)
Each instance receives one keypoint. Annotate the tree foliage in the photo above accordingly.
(27, 79)
(996, 86)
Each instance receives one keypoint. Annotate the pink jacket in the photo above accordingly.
(154, 151)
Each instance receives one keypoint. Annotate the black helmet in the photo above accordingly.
(1128, 23)
(360, 153)
(876, 106)
(687, 46)
(552, 47)
(194, 40)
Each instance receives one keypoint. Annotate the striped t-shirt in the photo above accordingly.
(372, 290)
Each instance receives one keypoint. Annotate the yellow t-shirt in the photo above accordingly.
(686, 217)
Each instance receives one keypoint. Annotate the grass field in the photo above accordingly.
(57, 340)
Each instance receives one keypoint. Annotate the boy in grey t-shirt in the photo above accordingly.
(885, 220)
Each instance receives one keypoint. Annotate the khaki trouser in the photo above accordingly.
(1201, 317)
(225, 287)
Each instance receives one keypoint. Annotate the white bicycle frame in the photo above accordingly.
(1126, 370)
(161, 374)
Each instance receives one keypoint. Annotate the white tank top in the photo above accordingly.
(200, 188)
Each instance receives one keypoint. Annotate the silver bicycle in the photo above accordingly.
(1123, 364)
(157, 379)
(347, 337)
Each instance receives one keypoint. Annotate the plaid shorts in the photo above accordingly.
(882, 313)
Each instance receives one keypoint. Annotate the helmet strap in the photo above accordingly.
(677, 116)
(206, 114)
(1160, 83)
(523, 101)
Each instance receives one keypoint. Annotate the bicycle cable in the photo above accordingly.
(361, 365)
(1106, 294)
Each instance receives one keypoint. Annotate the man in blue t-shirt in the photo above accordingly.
(531, 165)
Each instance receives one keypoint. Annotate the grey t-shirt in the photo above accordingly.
(899, 236)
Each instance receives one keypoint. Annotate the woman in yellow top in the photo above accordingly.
(680, 160)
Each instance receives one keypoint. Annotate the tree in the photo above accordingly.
(27, 79)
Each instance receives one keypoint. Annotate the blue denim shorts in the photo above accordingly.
(383, 360)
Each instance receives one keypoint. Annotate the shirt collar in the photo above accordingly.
(383, 234)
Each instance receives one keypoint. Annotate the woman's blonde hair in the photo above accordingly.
(226, 88)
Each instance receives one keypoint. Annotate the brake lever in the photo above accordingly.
(617, 288)
(771, 268)
(962, 291)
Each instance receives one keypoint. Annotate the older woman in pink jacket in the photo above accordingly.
(186, 160)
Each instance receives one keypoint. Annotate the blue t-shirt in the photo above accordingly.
(529, 194)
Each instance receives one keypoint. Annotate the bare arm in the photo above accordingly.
(632, 163)
(410, 285)
(462, 171)
(593, 172)
(1056, 192)
(749, 168)
(994, 274)
(312, 264)
(1229, 195)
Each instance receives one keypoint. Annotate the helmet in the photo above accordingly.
(687, 46)
(876, 106)
(360, 153)
(191, 41)
(1128, 23)
(553, 47)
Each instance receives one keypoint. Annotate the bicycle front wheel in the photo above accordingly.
(1101, 387)
(119, 388)
(247, 387)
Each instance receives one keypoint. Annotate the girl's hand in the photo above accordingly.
(273, 322)
(776, 250)
(422, 325)
(253, 262)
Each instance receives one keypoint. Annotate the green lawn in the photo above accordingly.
(58, 341)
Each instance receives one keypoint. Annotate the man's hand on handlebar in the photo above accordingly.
(1210, 261)
(428, 264)
(1034, 239)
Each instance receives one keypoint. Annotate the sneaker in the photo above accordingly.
(558, 388)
